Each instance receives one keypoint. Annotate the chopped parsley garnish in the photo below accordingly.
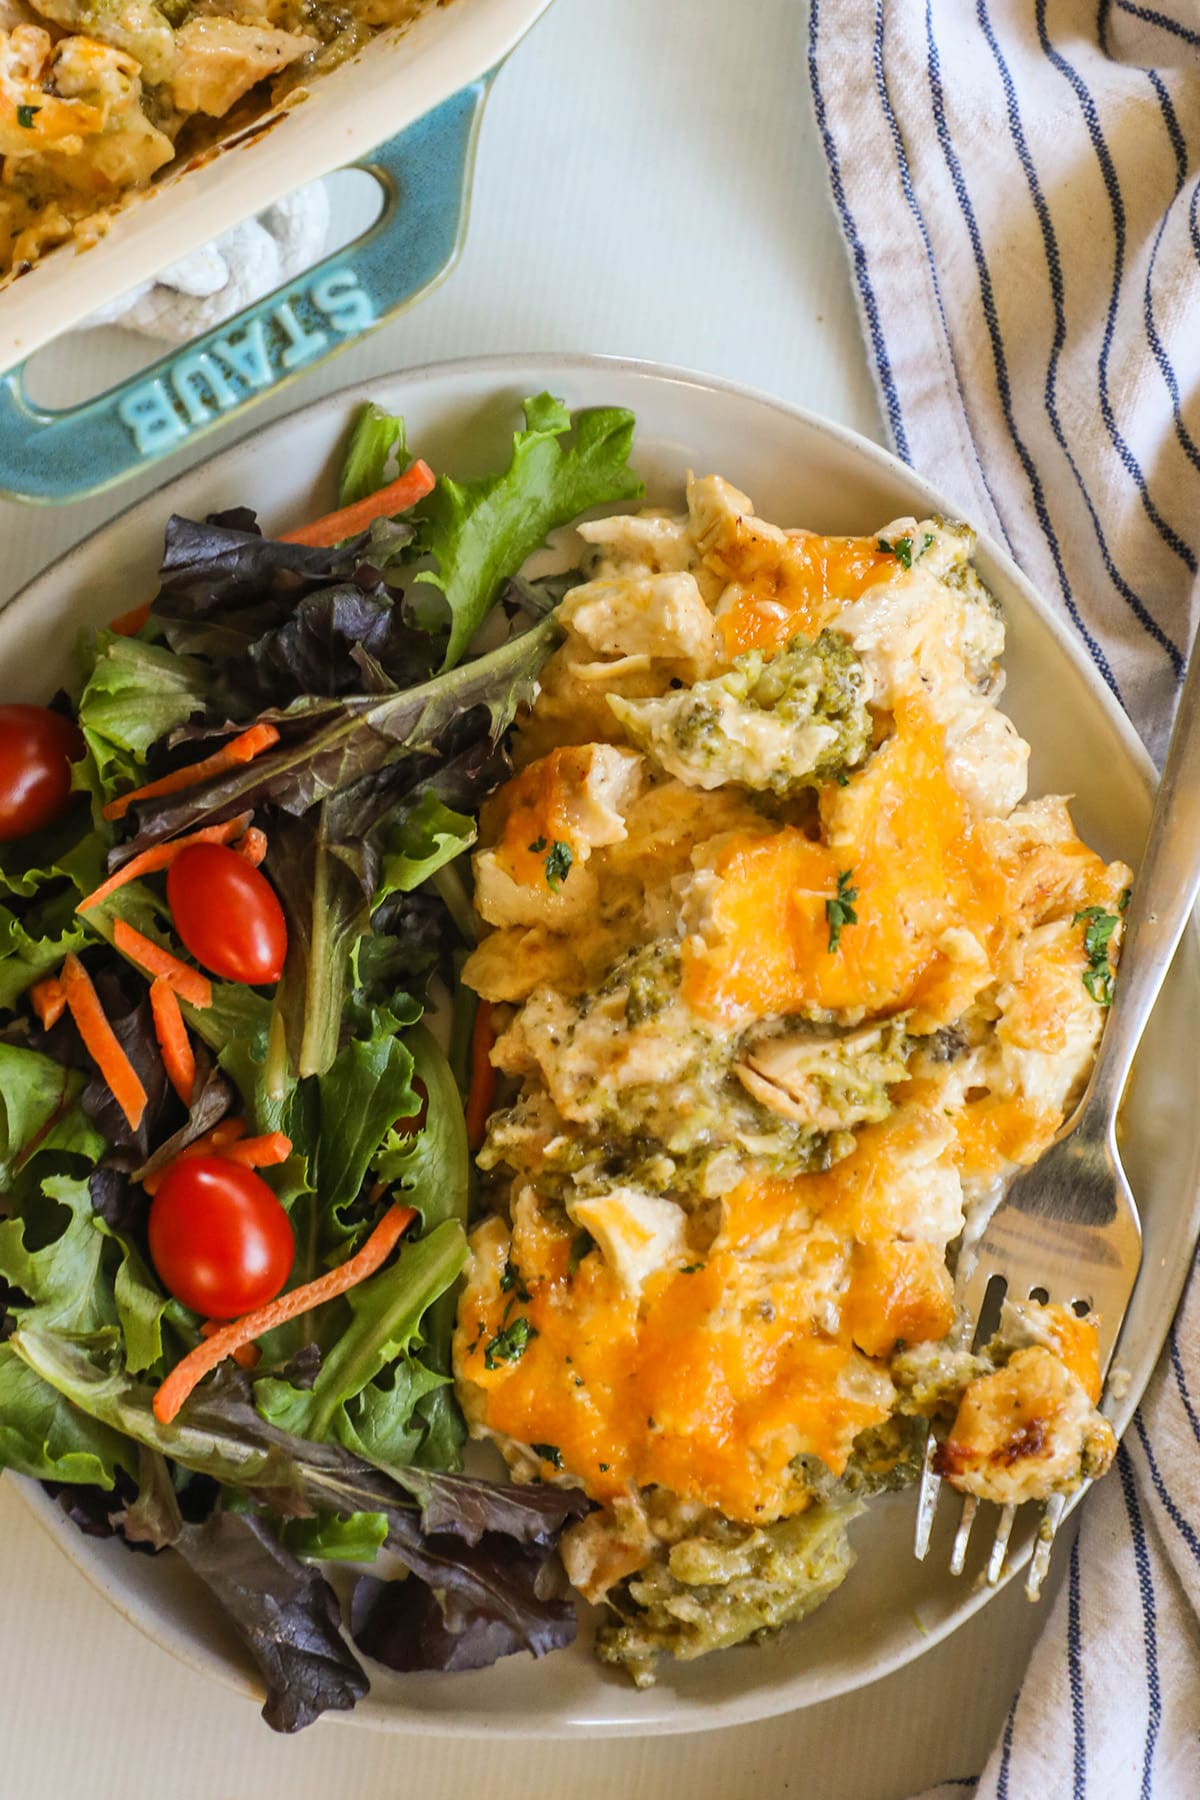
(537, 846)
(549, 1453)
(603, 1468)
(583, 1245)
(26, 116)
(558, 865)
(1126, 897)
(691, 1268)
(840, 910)
(929, 538)
(511, 1279)
(1098, 976)
(510, 1344)
(901, 550)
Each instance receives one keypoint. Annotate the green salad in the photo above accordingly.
(234, 1171)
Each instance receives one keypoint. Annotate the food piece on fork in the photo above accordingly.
(1030, 1428)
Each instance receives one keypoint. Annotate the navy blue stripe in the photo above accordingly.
(988, 300)
(1057, 293)
(914, 207)
(1141, 1559)
(1006, 1744)
(1087, 107)
(1186, 1531)
(1181, 1379)
(1075, 1679)
(1156, 344)
(1151, 17)
(858, 255)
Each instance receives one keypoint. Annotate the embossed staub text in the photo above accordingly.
(279, 337)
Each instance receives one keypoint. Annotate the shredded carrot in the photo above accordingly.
(482, 1089)
(48, 1000)
(187, 982)
(128, 624)
(212, 1143)
(247, 1356)
(101, 1042)
(253, 846)
(185, 1377)
(179, 1059)
(238, 750)
(260, 1152)
(417, 481)
(161, 856)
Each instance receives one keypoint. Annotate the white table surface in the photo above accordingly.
(649, 183)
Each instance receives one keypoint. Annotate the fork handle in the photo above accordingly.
(1164, 893)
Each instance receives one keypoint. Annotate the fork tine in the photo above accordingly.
(1040, 1562)
(1000, 1544)
(962, 1537)
(927, 1498)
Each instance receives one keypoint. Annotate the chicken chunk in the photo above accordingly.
(638, 1234)
(547, 821)
(733, 542)
(827, 1081)
(662, 618)
(653, 543)
(218, 60)
(1025, 1431)
(135, 26)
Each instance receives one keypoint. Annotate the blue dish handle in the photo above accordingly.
(425, 172)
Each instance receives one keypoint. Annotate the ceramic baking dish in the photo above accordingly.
(406, 109)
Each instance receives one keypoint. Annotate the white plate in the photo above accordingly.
(799, 469)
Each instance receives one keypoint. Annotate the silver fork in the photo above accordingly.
(1067, 1230)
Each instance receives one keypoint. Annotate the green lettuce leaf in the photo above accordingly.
(482, 531)
(71, 850)
(358, 1538)
(74, 1273)
(433, 1172)
(319, 883)
(34, 944)
(431, 836)
(141, 1305)
(43, 1435)
(40, 1112)
(384, 1326)
(393, 1423)
(376, 454)
(365, 1090)
(135, 693)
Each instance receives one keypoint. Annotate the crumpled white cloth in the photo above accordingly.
(1018, 185)
(209, 285)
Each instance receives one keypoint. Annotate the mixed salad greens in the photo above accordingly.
(207, 1340)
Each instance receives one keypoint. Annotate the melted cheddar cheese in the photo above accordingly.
(927, 886)
(774, 1048)
(779, 589)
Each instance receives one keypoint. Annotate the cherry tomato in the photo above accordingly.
(37, 748)
(227, 914)
(220, 1240)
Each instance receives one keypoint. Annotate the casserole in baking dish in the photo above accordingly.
(102, 101)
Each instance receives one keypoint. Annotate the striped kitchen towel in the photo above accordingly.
(1018, 184)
